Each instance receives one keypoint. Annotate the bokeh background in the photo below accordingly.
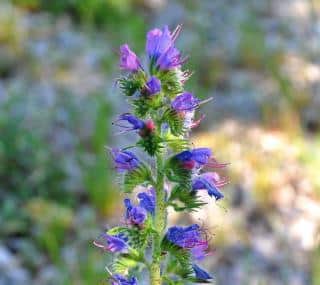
(260, 60)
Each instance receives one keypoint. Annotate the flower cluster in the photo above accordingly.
(162, 116)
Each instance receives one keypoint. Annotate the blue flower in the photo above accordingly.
(184, 155)
(128, 59)
(134, 122)
(199, 251)
(188, 238)
(148, 200)
(153, 86)
(170, 59)
(201, 155)
(112, 243)
(136, 215)
(118, 279)
(124, 160)
(201, 274)
(197, 157)
(160, 48)
(185, 237)
(185, 102)
(158, 42)
(209, 181)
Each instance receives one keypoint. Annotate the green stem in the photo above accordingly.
(159, 224)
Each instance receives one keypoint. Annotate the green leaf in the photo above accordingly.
(170, 281)
(141, 107)
(183, 199)
(123, 265)
(175, 122)
(170, 82)
(138, 176)
(180, 262)
(145, 105)
(133, 83)
(176, 173)
(176, 144)
(137, 238)
(152, 144)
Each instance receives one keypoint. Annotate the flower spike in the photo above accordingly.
(163, 115)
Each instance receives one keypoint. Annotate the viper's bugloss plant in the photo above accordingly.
(162, 116)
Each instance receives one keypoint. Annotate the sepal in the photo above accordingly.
(183, 199)
(176, 173)
(138, 176)
(152, 144)
(180, 262)
(136, 238)
(132, 83)
(124, 264)
(175, 143)
(170, 281)
(175, 122)
(171, 82)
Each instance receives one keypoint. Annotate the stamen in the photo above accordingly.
(205, 101)
(176, 32)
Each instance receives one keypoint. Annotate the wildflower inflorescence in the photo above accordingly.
(162, 115)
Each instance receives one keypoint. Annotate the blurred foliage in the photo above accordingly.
(49, 217)
(107, 15)
(255, 54)
(42, 188)
(97, 176)
(28, 166)
(316, 267)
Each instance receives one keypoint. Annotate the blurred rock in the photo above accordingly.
(11, 272)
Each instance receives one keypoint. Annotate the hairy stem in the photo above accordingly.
(159, 224)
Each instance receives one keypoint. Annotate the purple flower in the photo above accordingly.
(158, 42)
(189, 238)
(201, 274)
(185, 158)
(134, 122)
(185, 237)
(201, 155)
(153, 86)
(185, 102)
(124, 160)
(148, 200)
(136, 215)
(185, 105)
(170, 59)
(160, 48)
(211, 182)
(199, 251)
(197, 157)
(184, 155)
(128, 59)
(112, 243)
(118, 279)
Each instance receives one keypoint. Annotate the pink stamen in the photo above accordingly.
(197, 122)
(215, 164)
(176, 32)
(99, 245)
(205, 101)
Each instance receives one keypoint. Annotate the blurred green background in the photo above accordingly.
(260, 60)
